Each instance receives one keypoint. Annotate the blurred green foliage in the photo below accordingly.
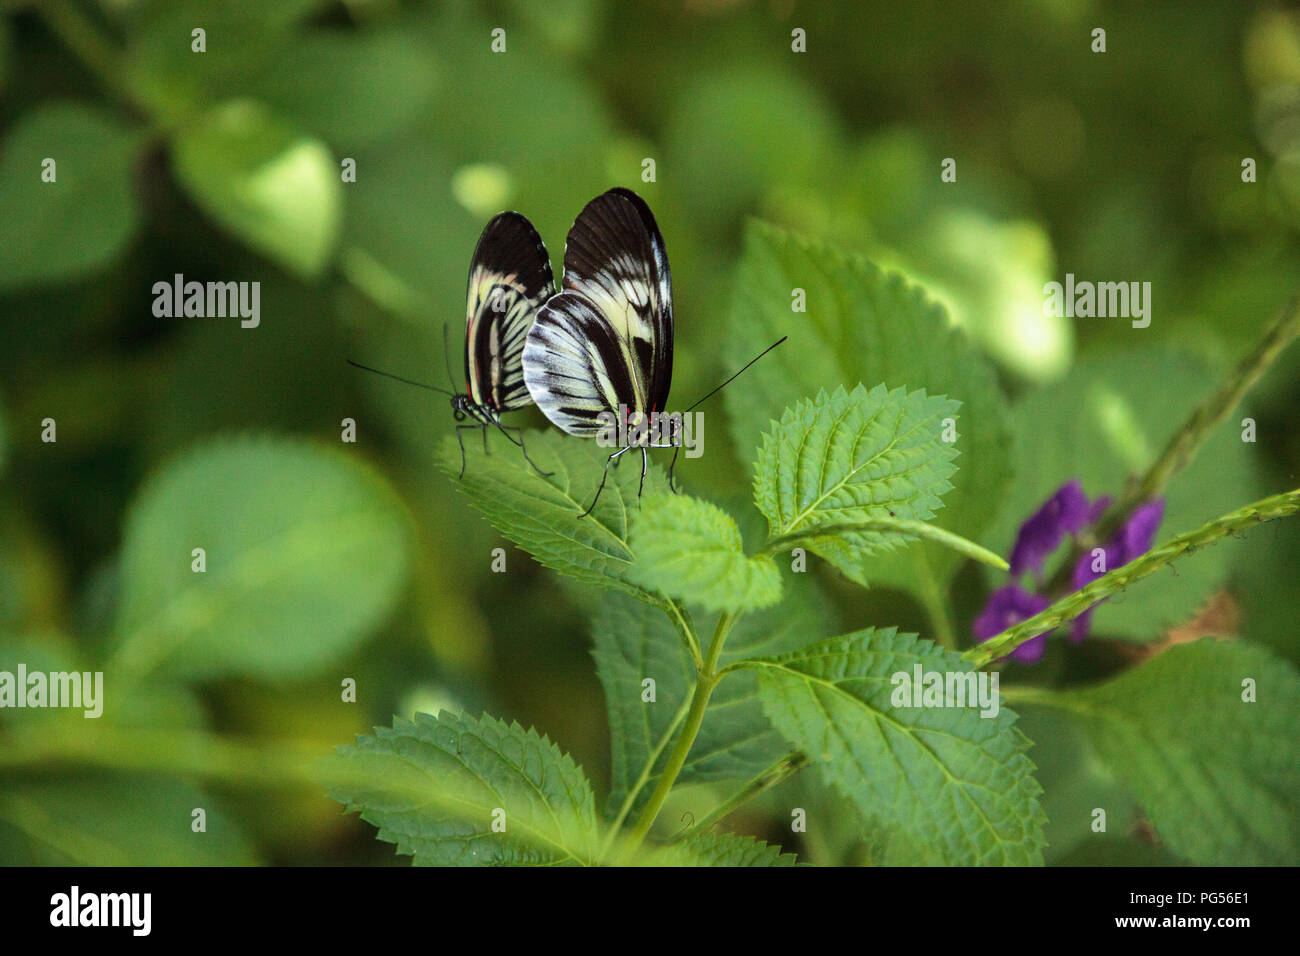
(226, 165)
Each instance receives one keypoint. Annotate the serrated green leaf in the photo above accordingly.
(115, 819)
(863, 325)
(285, 526)
(541, 513)
(722, 849)
(276, 189)
(66, 229)
(852, 457)
(958, 784)
(690, 549)
(1106, 422)
(436, 785)
(1218, 776)
(634, 642)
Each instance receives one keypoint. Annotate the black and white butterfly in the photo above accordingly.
(509, 280)
(602, 348)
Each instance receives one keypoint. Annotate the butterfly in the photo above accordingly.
(601, 349)
(509, 280)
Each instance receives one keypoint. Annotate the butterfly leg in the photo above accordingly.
(461, 441)
(671, 466)
(604, 475)
(506, 430)
(645, 463)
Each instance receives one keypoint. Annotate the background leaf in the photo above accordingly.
(110, 819)
(690, 549)
(276, 189)
(960, 785)
(351, 88)
(736, 741)
(1220, 779)
(84, 219)
(431, 785)
(866, 326)
(287, 527)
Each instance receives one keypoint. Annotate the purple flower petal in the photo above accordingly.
(1006, 607)
(1131, 542)
(1139, 532)
(1032, 651)
(1066, 511)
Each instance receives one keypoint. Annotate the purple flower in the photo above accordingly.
(1007, 607)
(1133, 540)
(1066, 511)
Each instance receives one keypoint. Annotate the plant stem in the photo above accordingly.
(782, 770)
(1075, 603)
(918, 529)
(1189, 439)
(681, 620)
(705, 680)
(644, 776)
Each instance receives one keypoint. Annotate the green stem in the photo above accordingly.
(628, 803)
(782, 770)
(1074, 604)
(706, 679)
(1190, 438)
(917, 529)
(681, 620)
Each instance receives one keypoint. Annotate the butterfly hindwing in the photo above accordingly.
(509, 279)
(607, 339)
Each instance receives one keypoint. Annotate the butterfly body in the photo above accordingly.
(601, 350)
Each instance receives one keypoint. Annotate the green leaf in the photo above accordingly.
(1219, 777)
(433, 786)
(959, 785)
(112, 819)
(690, 549)
(287, 528)
(352, 88)
(722, 849)
(541, 514)
(166, 73)
(274, 188)
(866, 326)
(852, 457)
(634, 642)
(1106, 422)
(85, 219)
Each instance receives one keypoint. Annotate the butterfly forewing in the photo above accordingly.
(607, 339)
(509, 279)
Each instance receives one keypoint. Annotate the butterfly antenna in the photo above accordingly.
(446, 357)
(738, 374)
(432, 388)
